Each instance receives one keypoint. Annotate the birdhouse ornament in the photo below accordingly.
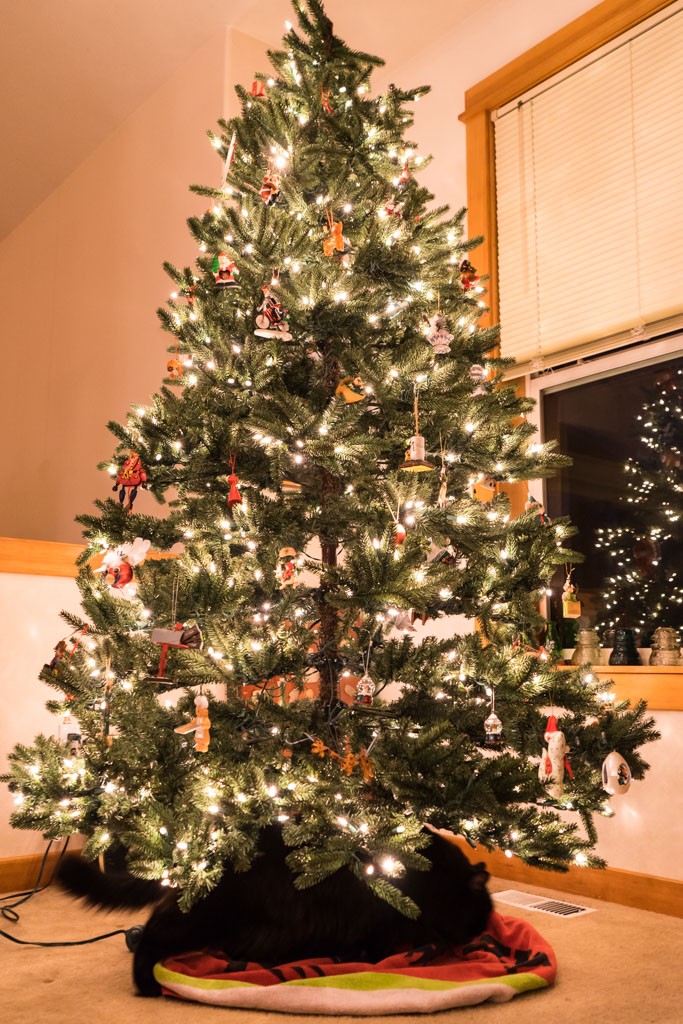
(365, 690)
(415, 461)
(554, 761)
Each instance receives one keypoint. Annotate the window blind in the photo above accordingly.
(589, 194)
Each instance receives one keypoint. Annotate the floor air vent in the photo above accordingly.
(558, 908)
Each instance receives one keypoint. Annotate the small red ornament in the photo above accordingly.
(405, 177)
(234, 496)
(399, 534)
(325, 100)
(270, 191)
(258, 91)
(131, 476)
(468, 275)
(271, 317)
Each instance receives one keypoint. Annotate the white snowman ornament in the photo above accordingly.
(616, 774)
(554, 759)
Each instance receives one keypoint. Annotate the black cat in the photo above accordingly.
(259, 916)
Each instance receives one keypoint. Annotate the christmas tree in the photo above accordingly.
(330, 446)
(645, 586)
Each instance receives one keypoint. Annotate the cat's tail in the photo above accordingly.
(83, 878)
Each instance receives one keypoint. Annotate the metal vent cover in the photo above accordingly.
(544, 904)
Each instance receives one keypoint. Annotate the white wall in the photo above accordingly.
(29, 612)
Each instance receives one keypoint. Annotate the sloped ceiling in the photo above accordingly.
(72, 70)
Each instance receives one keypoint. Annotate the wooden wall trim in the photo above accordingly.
(629, 888)
(38, 557)
(20, 874)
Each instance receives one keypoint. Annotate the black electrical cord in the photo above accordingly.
(133, 935)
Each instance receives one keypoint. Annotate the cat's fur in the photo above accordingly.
(259, 916)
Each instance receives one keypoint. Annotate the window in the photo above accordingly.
(623, 428)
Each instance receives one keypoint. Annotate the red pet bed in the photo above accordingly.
(510, 958)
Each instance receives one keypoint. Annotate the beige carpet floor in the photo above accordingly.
(617, 966)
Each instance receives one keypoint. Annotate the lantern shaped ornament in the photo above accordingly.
(493, 731)
(616, 775)
(365, 690)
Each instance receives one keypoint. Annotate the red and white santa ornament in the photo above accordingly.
(554, 760)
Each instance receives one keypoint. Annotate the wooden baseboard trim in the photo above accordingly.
(629, 888)
(20, 874)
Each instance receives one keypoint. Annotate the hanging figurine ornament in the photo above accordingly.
(224, 271)
(392, 208)
(131, 476)
(234, 496)
(62, 651)
(531, 505)
(478, 378)
(270, 191)
(325, 100)
(350, 389)
(174, 368)
(571, 606)
(415, 461)
(554, 760)
(335, 244)
(271, 317)
(200, 725)
(616, 775)
(258, 91)
(438, 337)
(287, 569)
(468, 275)
(404, 178)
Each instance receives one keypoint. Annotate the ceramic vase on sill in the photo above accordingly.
(665, 647)
(624, 651)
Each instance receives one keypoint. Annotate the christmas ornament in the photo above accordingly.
(59, 655)
(286, 570)
(399, 533)
(571, 606)
(478, 376)
(224, 271)
(350, 389)
(404, 178)
(117, 566)
(468, 275)
(666, 648)
(531, 505)
(336, 244)
(438, 337)
(392, 208)
(200, 725)
(404, 621)
(290, 487)
(415, 461)
(258, 90)
(174, 368)
(442, 498)
(234, 496)
(616, 774)
(365, 690)
(270, 317)
(483, 489)
(180, 638)
(325, 100)
(493, 731)
(624, 651)
(554, 761)
(131, 476)
(270, 191)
